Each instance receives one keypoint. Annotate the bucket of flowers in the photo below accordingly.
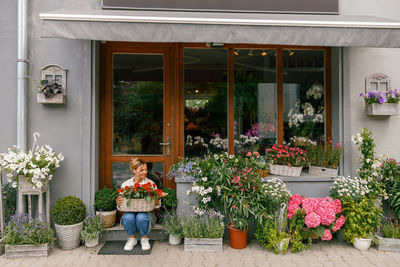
(139, 198)
(286, 160)
(321, 216)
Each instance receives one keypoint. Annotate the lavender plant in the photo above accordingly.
(22, 229)
(92, 228)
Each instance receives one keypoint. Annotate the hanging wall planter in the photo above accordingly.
(384, 109)
(53, 85)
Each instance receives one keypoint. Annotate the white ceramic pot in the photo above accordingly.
(362, 244)
(174, 240)
(92, 243)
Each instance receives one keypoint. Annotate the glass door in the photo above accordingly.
(137, 113)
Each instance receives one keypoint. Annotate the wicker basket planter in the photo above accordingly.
(285, 170)
(68, 235)
(136, 205)
(384, 109)
(1, 247)
(108, 217)
(388, 244)
(203, 244)
(22, 251)
(92, 243)
(320, 171)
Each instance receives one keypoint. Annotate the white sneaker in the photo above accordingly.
(130, 244)
(145, 243)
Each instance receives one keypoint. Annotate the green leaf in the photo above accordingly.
(319, 231)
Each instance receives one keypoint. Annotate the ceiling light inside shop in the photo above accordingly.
(251, 53)
(263, 53)
(236, 52)
(291, 53)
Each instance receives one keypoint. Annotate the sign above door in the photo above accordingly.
(251, 6)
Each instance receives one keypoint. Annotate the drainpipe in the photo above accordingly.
(22, 68)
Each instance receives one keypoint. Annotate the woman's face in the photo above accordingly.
(140, 171)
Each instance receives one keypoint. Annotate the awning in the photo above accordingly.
(163, 26)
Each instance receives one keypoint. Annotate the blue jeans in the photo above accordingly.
(136, 220)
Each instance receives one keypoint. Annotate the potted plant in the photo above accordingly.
(92, 230)
(273, 233)
(32, 169)
(321, 216)
(139, 198)
(363, 219)
(172, 225)
(389, 238)
(324, 159)
(286, 160)
(105, 205)
(381, 103)
(203, 233)
(68, 215)
(170, 201)
(25, 236)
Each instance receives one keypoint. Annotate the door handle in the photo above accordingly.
(168, 144)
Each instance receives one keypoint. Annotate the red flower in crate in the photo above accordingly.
(138, 191)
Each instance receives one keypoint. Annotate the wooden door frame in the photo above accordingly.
(106, 158)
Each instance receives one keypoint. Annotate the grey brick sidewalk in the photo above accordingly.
(321, 254)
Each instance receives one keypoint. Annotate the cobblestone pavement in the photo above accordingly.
(321, 254)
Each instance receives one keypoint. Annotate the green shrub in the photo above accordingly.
(69, 210)
(172, 225)
(391, 230)
(9, 201)
(170, 201)
(104, 199)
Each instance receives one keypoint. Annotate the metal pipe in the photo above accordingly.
(22, 68)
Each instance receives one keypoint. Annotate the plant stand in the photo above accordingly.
(26, 189)
(203, 244)
(22, 251)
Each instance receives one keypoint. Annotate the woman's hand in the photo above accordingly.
(164, 194)
(118, 200)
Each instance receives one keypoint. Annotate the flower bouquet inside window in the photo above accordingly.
(286, 160)
(139, 198)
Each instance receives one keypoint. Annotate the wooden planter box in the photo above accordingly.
(25, 187)
(320, 171)
(388, 244)
(203, 244)
(56, 99)
(285, 170)
(21, 251)
(384, 109)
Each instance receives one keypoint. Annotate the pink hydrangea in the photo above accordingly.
(292, 209)
(327, 235)
(312, 220)
(310, 205)
(339, 222)
(334, 228)
(296, 199)
(326, 210)
(338, 205)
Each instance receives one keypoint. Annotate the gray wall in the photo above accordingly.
(360, 63)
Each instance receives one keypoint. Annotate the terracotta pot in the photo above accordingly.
(237, 238)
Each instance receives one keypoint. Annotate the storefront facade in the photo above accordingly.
(168, 84)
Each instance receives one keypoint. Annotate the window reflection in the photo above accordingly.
(255, 122)
(205, 101)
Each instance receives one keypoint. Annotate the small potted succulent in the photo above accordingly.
(105, 205)
(68, 215)
(172, 225)
(92, 230)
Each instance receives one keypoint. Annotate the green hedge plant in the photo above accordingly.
(69, 210)
(104, 199)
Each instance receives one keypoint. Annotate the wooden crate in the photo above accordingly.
(320, 171)
(22, 251)
(388, 244)
(203, 244)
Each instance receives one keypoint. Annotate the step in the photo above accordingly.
(117, 233)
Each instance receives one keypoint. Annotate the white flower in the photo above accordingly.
(39, 184)
(14, 185)
(204, 179)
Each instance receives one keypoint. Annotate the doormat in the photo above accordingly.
(117, 248)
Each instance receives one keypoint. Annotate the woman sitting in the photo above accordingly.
(142, 221)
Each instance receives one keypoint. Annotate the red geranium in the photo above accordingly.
(147, 191)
